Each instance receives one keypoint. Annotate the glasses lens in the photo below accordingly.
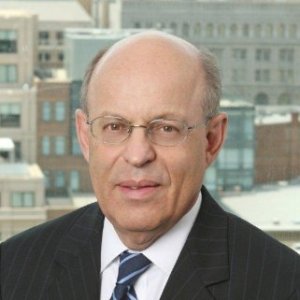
(167, 132)
(110, 129)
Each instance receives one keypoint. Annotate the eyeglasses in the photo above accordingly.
(163, 132)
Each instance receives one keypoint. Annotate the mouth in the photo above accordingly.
(138, 189)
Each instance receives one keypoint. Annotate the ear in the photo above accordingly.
(215, 135)
(82, 129)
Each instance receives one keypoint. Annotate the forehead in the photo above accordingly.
(147, 76)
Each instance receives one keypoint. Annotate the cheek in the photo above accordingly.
(101, 162)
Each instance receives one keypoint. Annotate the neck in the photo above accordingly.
(138, 241)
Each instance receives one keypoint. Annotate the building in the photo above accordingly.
(65, 170)
(263, 207)
(256, 42)
(277, 144)
(17, 93)
(234, 167)
(22, 200)
(53, 17)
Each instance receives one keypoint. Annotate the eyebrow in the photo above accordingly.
(165, 116)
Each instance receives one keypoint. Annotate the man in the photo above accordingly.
(149, 128)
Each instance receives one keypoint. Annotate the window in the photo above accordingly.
(239, 54)
(246, 30)
(229, 158)
(186, 29)
(281, 30)
(286, 75)
(221, 30)
(8, 41)
(233, 30)
(269, 30)
(44, 56)
(261, 99)
(286, 55)
(262, 75)
(18, 150)
(248, 158)
(75, 145)
(173, 26)
(43, 37)
(263, 54)
(22, 199)
(46, 111)
(197, 29)
(59, 111)
(8, 73)
(10, 115)
(61, 56)
(60, 37)
(46, 145)
(137, 25)
(59, 145)
(59, 180)
(209, 30)
(74, 180)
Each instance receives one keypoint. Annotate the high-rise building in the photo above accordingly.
(256, 42)
(17, 93)
(234, 167)
(52, 18)
(277, 144)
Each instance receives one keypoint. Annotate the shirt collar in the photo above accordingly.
(159, 252)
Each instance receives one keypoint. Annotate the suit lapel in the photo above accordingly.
(203, 262)
(77, 262)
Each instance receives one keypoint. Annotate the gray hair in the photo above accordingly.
(212, 92)
(213, 87)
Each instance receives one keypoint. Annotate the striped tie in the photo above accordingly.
(132, 265)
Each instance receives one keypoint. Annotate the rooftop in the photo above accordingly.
(50, 11)
(20, 171)
(273, 208)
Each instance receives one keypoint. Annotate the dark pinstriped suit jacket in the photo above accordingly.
(224, 258)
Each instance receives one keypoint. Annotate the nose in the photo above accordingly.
(138, 149)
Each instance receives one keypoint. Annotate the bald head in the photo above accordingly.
(152, 54)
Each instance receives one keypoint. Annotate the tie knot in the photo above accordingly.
(132, 265)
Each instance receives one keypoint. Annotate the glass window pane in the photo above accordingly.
(46, 111)
(46, 145)
(59, 111)
(59, 145)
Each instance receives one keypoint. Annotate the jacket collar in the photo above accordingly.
(77, 260)
(203, 261)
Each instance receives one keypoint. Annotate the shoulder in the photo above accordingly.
(46, 233)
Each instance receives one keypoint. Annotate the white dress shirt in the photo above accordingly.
(163, 254)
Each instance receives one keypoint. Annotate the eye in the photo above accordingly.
(115, 126)
(166, 127)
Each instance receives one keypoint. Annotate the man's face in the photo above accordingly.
(141, 186)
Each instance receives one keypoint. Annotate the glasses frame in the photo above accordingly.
(187, 128)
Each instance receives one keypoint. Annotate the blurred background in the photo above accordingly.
(45, 46)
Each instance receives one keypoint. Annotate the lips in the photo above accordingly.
(135, 185)
(138, 189)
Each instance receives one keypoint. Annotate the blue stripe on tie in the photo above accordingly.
(128, 257)
(131, 297)
(132, 275)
